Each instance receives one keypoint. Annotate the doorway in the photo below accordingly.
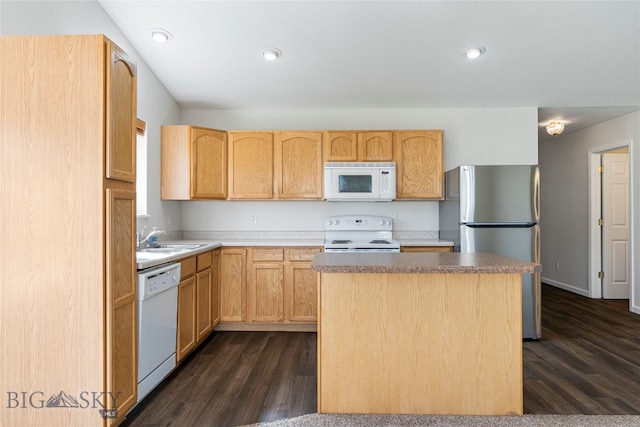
(610, 259)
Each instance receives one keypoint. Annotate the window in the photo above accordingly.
(141, 169)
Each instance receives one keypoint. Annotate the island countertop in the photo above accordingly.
(454, 262)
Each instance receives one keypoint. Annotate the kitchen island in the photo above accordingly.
(420, 333)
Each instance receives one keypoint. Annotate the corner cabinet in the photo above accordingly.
(420, 164)
(193, 163)
(68, 176)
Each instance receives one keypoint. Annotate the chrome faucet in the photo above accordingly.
(154, 232)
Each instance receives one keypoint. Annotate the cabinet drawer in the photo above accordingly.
(187, 267)
(426, 249)
(204, 261)
(303, 254)
(267, 254)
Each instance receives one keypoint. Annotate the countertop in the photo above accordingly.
(143, 263)
(454, 262)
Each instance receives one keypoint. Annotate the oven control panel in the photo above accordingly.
(359, 222)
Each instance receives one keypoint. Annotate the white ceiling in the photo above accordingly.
(575, 60)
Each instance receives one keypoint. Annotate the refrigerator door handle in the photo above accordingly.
(499, 224)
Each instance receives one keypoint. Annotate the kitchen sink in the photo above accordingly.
(173, 248)
(164, 251)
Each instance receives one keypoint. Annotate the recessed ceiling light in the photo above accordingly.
(160, 35)
(271, 54)
(474, 52)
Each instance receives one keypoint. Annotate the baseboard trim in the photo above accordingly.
(268, 327)
(575, 290)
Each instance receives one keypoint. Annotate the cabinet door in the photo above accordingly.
(267, 292)
(203, 304)
(233, 285)
(250, 165)
(121, 305)
(121, 115)
(186, 336)
(302, 286)
(208, 163)
(420, 165)
(298, 165)
(375, 146)
(340, 146)
(215, 288)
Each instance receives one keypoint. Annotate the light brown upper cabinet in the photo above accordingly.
(419, 164)
(298, 165)
(358, 146)
(251, 165)
(194, 163)
(121, 117)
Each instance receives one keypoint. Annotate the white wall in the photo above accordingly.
(564, 169)
(471, 136)
(155, 105)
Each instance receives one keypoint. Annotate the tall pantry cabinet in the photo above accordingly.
(67, 225)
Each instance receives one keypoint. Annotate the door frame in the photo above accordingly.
(595, 203)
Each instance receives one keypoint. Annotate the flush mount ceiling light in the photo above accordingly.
(271, 54)
(474, 52)
(555, 128)
(160, 35)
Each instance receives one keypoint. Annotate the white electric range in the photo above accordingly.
(359, 233)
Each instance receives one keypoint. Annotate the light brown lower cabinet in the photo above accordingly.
(426, 249)
(197, 296)
(268, 287)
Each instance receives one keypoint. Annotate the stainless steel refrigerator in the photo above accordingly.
(496, 209)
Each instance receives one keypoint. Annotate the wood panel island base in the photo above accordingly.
(420, 333)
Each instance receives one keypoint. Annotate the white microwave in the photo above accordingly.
(360, 181)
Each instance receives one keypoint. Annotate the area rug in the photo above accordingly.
(340, 420)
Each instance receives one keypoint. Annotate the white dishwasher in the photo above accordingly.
(157, 325)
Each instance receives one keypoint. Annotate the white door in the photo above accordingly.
(615, 229)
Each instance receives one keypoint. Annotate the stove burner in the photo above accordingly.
(340, 242)
(384, 242)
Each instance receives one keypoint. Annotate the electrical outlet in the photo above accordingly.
(253, 219)
(169, 219)
(557, 265)
(394, 217)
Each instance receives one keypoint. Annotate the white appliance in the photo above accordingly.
(157, 325)
(359, 233)
(360, 181)
(496, 209)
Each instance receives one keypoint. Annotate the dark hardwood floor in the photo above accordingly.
(588, 362)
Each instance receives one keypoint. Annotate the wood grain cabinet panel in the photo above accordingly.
(340, 146)
(358, 146)
(186, 335)
(68, 183)
(420, 164)
(233, 285)
(375, 146)
(215, 288)
(193, 163)
(251, 168)
(298, 165)
(121, 116)
(426, 249)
